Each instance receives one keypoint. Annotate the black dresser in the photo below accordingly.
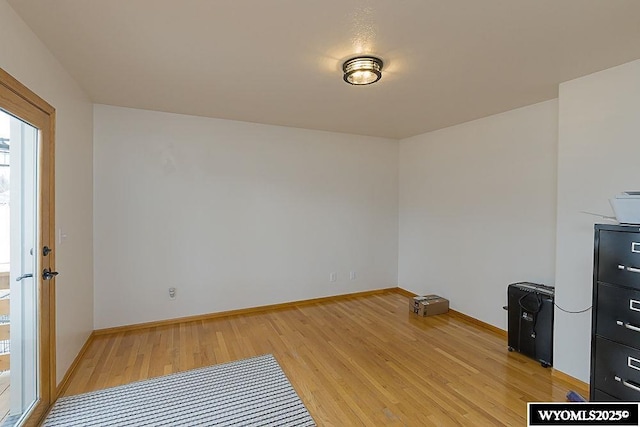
(615, 333)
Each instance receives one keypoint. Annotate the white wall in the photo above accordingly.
(599, 148)
(235, 214)
(24, 56)
(477, 209)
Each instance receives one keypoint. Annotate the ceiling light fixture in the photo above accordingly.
(362, 70)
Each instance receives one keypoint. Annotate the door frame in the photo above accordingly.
(18, 100)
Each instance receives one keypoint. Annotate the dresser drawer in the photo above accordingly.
(618, 314)
(619, 258)
(601, 396)
(617, 370)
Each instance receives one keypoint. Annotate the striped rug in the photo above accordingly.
(250, 392)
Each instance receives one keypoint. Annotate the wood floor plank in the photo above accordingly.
(357, 361)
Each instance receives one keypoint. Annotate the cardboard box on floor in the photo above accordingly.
(428, 305)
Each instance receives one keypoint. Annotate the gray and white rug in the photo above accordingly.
(250, 392)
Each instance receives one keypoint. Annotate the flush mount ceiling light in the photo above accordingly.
(362, 70)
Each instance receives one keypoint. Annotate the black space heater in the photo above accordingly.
(530, 308)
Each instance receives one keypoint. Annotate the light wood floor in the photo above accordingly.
(357, 361)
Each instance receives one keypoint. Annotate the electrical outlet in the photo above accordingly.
(333, 277)
(172, 293)
(352, 275)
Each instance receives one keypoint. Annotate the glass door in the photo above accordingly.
(26, 243)
(19, 177)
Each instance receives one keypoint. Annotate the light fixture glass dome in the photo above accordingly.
(362, 70)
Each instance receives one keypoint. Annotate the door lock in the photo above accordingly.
(47, 274)
(46, 251)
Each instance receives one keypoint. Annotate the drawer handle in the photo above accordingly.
(635, 247)
(633, 363)
(631, 269)
(628, 384)
(634, 305)
(628, 326)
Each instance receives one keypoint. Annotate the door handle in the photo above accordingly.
(24, 276)
(47, 274)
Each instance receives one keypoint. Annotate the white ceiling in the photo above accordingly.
(279, 61)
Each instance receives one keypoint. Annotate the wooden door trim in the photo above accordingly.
(47, 120)
(8, 81)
